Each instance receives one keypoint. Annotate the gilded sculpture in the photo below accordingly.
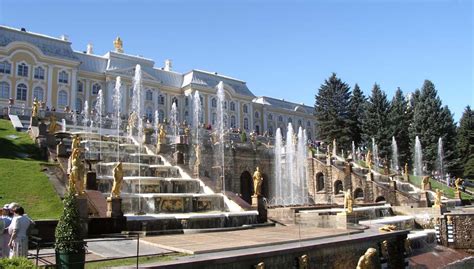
(369, 260)
(348, 201)
(162, 135)
(34, 109)
(118, 44)
(437, 201)
(52, 124)
(76, 177)
(425, 181)
(76, 142)
(197, 163)
(118, 179)
(388, 228)
(458, 183)
(303, 262)
(257, 182)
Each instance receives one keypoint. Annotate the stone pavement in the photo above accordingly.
(231, 240)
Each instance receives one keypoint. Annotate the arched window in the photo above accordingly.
(62, 98)
(319, 182)
(22, 70)
(310, 136)
(308, 123)
(232, 121)
(299, 122)
(280, 118)
(149, 113)
(39, 73)
(225, 120)
(4, 90)
(161, 100)
(358, 193)
(232, 106)
(186, 116)
(63, 77)
(213, 118)
(96, 88)
(130, 92)
(246, 124)
(79, 104)
(338, 187)
(270, 130)
(270, 116)
(225, 104)
(257, 115)
(38, 93)
(21, 92)
(290, 120)
(214, 102)
(186, 101)
(149, 95)
(161, 115)
(245, 108)
(80, 86)
(5, 67)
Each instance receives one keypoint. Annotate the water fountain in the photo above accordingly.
(440, 160)
(99, 107)
(354, 156)
(395, 164)
(301, 163)
(289, 161)
(174, 121)
(74, 119)
(219, 153)
(155, 124)
(63, 123)
(196, 115)
(85, 117)
(418, 164)
(117, 99)
(277, 171)
(375, 153)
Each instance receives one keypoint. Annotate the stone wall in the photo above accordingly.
(456, 230)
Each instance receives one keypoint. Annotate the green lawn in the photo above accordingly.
(447, 191)
(21, 178)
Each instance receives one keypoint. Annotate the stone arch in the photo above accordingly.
(338, 187)
(319, 181)
(380, 199)
(358, 193)
(246, 186)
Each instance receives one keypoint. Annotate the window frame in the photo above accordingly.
(60, 105)
(3, 67)
(39, 75)
(2, 89)
(42, 93)
(24, 92)
(61, 78)
(24, 72)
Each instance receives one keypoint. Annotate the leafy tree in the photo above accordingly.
(356, 114)
(376, 123)
(69, 231)
(332, 112)
(400, 116)
(465, 142)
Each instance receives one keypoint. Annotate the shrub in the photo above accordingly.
(16, 262)
(68, 232)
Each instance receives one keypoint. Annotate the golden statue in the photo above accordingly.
(52, 124)
(368, 160)
(197, 163)
(257, 182)
(118, 44)
(34, 110)
(406, 169)
(348, 201)
(437, 201)
(260, 265)
(425, 181)
(458, 183)
(132, 119)
(388, 228)
(303, 262)
(384, 249)
(76, 177)
(369, 260)
(162, 135)
(76, 142)
(118, 179)
(187, 131)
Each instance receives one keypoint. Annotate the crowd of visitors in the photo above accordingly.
(14, 224)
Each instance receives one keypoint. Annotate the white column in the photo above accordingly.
(50, 86)
(73, 89)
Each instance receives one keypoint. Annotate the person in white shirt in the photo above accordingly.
(19, 233)
(5, 219)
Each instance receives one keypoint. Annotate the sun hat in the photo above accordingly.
(6, 206)
(13, 205)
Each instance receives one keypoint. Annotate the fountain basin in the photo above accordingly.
(152, 185)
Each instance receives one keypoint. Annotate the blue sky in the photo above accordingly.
(283, 49)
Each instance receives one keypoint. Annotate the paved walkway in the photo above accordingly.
(222, 241)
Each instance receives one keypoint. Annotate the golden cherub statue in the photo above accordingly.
(52, 124)
(34, 109)
(118, 179)
(118, 44)
(458, 183)
(76, 177)
(162, 135)
(257, 182)
(76, 142)
(348, 201)
(437, 201)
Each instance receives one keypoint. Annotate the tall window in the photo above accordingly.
(246, 124)
(232, 121)
(38, 93)
(225, 104)
(21, 92)
(174, 100)
(299, 122)
(161, 115)
(62, 98)
(149, 95)
(308, 124)
(96, 88)
(80, 86)
(161, 99)
(245, 108)
(257, 115)
(4, 90)
(214, 118)
(290, 120)
(270, 116)
(130, 92)
(22, 70)
(149, 113)
(5, 67)
(79, 104)
(270, 131)
(39, 73)
(280, 118)
(214, 102)
(186, 101)
(63, 77)
(232, 106)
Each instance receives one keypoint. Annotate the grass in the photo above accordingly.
(131, 261)
(21, 176)
(447, 191)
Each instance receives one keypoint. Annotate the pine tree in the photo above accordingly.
(400, 116)
(332, 112)
(465, 143)
(430, 122)
(68, 232)
(376, 123)
(356, 113)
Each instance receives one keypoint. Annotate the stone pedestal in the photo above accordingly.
(393, 185)
(33, 121)
(344, 218)
(370, 176)
(91, 181)
(61, 150)
(43, 129)
(406, 177)
(439, 209)
(114, 207)
(82, 206)
(162, 148)
(457, 195)
(147, 137)
(179, 157)
(427, 186)
(50, 140)
(254, 201)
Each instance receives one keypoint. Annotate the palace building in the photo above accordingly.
(47, 68)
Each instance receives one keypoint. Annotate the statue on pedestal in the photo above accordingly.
(34, 109)
(368, 160)
(52, 124)
(76, 142)
(425, 181)
(437, 201)
(458, 184)
(162, 135)
(257, 182)
(118, 179)
(348, 201)
(197, 163)
(118, 45)
(76, 177)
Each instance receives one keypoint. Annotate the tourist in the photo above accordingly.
(5, 221)
(18, 229)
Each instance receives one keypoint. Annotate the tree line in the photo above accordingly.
(347, 115)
